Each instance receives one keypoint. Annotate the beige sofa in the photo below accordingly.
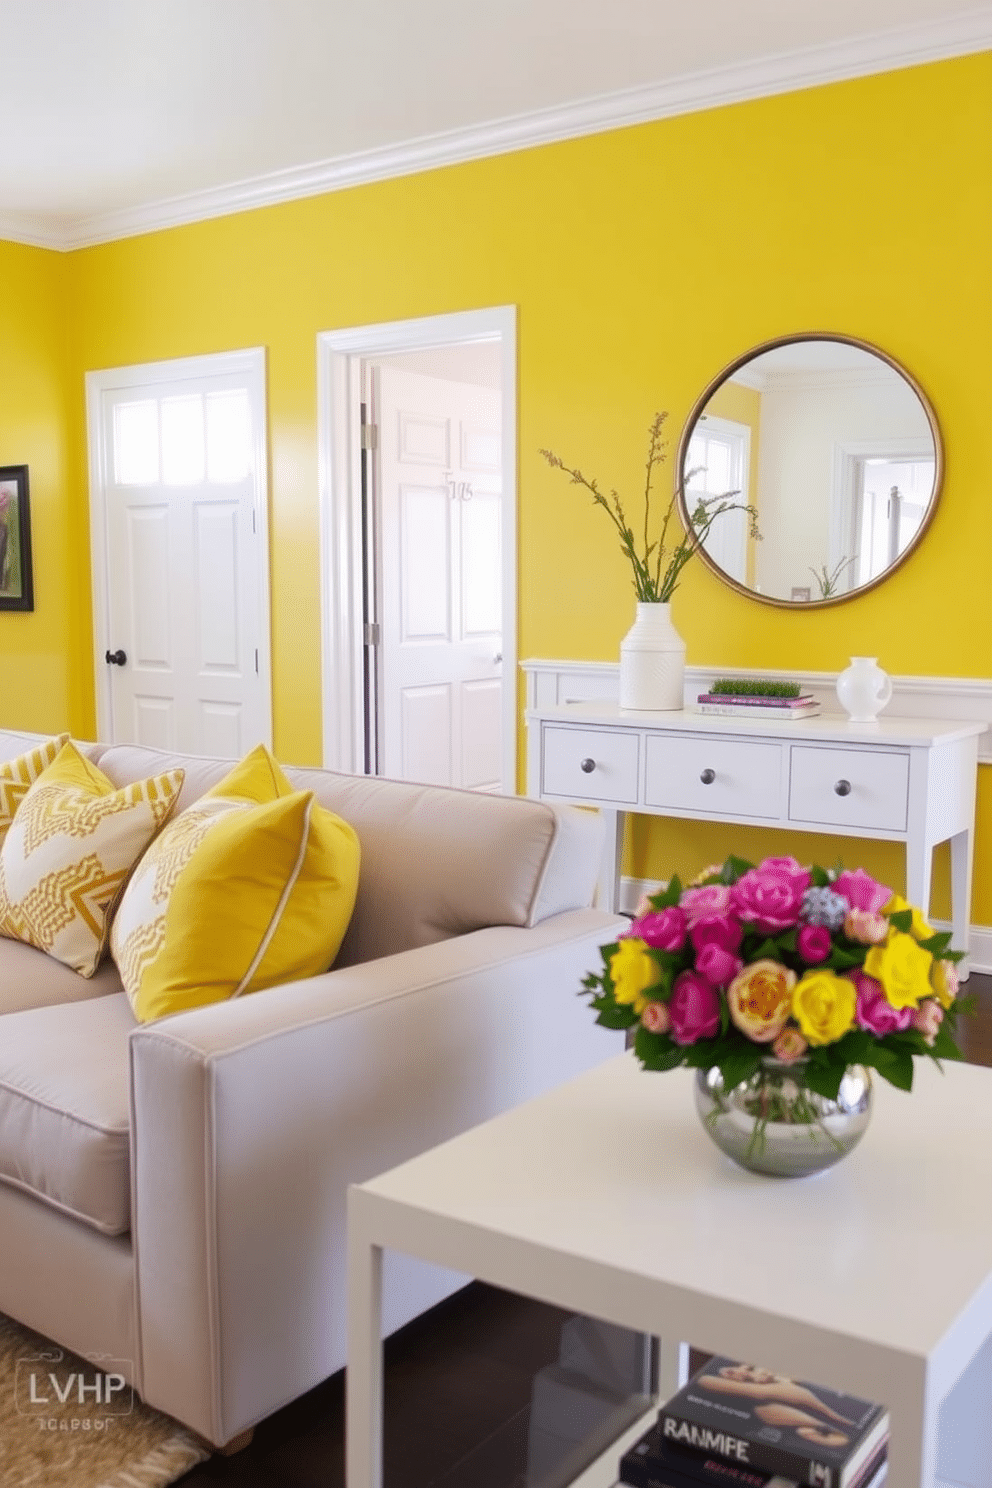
(172, 1195)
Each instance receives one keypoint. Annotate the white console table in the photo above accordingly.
(908, 780)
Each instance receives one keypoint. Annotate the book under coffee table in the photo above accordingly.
(605, 1196)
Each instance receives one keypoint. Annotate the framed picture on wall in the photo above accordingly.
(16, 583)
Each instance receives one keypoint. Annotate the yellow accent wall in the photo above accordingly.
(864, 207)
(39, 650)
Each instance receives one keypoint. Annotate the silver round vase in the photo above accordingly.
(773, 1124)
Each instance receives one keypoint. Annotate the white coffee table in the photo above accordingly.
(606, 1197)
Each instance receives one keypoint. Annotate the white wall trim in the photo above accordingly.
(342, 702)
(248, 362)
(550, 684)
(979, 941)
(785, 72)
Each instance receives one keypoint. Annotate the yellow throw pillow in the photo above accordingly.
(251, 886)
(69, 849)
(18, 775)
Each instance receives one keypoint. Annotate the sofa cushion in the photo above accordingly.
(17, 775)
(250, 887)
(436, 862)
(64, 1119)
(73, 841)
(30, 979)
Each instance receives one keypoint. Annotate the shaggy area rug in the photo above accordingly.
(66, 1420)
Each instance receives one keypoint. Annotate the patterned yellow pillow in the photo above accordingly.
(70, 847)
(17, 775)
(251, 886)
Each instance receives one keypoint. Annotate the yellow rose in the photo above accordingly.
(760, 999)
(823, 1005)
(903, 968)
(919, 929)
(632, 971)
(944, 981)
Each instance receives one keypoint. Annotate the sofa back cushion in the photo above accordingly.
(435, 862)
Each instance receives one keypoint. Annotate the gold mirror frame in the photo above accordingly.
(722, 377)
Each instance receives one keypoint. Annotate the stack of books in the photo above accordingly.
(755, 705)
(735, 1424)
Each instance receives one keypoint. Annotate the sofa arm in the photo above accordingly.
(251, 1118)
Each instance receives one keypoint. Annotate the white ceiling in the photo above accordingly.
(120, 115)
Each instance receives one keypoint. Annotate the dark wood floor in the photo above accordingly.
(458, 1384)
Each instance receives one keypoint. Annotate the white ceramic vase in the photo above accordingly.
(863, 689)
(652, 661)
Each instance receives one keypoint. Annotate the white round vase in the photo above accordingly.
(652, 661)
(863, 689)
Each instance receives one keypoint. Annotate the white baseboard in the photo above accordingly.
(979, 941)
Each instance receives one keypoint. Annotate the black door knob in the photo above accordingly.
(116, 658)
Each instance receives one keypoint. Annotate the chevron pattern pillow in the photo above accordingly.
(18, 775)
(68, 852)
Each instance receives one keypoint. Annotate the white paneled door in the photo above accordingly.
(180, 554)
(440, 576)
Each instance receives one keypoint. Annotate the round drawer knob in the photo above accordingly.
(587, 766)
(708, 777)
(843, 788)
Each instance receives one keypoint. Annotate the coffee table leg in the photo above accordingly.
(363, 1376)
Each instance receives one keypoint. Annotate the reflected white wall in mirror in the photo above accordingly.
(838, 450)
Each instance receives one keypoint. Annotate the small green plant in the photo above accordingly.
(827, 582)
(755, 687)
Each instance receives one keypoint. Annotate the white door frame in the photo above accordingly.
(251, 364)
(339, 354)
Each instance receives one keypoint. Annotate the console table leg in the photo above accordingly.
(608, 886)
(962, 855)
(363, 1377)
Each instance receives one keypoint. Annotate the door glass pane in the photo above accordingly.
(182, 440)
(228, 436)
(136, 443)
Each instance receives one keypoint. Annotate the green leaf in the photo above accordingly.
(944, 1046)
(739, 1063)
(616, 1017)
(902, 919)
(735, 868)
(937, 944)
(669, 895)
(893, 1064)
(656, 1050)
(825, 1078)
(819, 877)
(842, 960)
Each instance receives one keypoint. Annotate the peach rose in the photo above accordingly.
(655, 1018)
(789, 1046)
(944, 981)
(927, 1019)
(866, 928)
(760, 999)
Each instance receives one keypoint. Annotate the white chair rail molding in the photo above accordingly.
(908, 777)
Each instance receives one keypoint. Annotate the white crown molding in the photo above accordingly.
(785, 72)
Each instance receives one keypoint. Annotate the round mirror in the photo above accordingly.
(838, 450)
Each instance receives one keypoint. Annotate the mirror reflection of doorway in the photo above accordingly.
(891, 499)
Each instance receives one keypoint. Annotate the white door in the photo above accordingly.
(180, 554)
(439, 579)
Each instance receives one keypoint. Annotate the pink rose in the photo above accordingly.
(861, 890)
(789, 1046)
(655, 1018)
(717, 965)
(813, 943)
(927, 1018)
(694, 1008)
(716, 929)
(873, 1010)
(790, 868)
(769, 898)
(865, 927)
(707, 899)
(664, 929)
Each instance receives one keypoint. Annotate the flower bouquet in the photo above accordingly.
(781, 979)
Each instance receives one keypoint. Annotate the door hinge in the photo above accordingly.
(253, 526)
(256, 659)
(372, 632)
(370, 436)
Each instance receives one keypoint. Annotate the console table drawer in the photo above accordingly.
(877, 793)
(594, 765)
(721, 776)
